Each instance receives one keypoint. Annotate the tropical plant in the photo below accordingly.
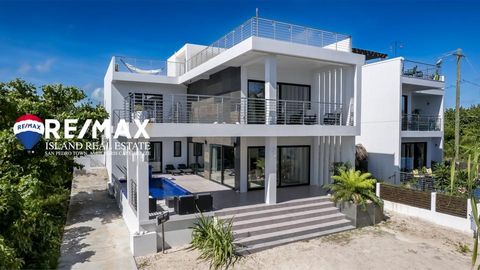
(214, 239)
(354, 186)
(34, 187)
(441, 174)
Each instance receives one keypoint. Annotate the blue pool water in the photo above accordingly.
(160, 188)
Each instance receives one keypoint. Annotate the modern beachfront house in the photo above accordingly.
(402, 117)
(260, 117)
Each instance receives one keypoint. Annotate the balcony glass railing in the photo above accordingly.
(418, 122)
(422, 71)
(200, 109)
(265, 28)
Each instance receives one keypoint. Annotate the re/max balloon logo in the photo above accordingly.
(30, 128)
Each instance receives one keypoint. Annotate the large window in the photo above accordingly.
(293, 166)
(291, 107)
(414, 156)
(155, 156)
(177, 148)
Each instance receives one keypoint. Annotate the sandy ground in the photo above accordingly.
(399, 243)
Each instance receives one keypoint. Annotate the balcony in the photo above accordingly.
(255, 26)
(265, 28)
(418, 122)
(149, 67)
(420, 70)
(203, 109)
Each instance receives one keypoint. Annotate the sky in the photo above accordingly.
(71, 42)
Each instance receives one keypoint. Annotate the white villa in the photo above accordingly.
(402, 117)
(258, 119)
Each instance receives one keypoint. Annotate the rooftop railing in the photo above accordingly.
(147, 66)
(422, 71)
(265, 28)
(202, 109)
(418, 122)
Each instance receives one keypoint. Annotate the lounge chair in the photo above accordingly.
(152, 204)
(204, 202)
(169, 168)
(184, 205)
(184, 169)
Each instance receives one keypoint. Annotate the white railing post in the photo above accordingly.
(377, 189)
(469, 208)
(433, 202)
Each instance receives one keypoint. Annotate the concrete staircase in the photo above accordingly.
(258, 227)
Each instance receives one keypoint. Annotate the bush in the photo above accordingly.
(354, 186)
(214, 239)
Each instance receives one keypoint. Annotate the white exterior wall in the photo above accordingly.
(381, 91)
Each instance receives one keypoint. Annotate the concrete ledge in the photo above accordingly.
(144, 243)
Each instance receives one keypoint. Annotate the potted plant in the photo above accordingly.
(354, 194)
(139, 113)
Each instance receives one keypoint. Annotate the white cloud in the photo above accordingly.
(97, 94)
(45, 66)
(24, 68)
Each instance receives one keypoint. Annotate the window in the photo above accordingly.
(177, 148)
(197, 149)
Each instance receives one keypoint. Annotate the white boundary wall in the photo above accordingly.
(466, 224)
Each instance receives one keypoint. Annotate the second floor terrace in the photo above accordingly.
(220, 111)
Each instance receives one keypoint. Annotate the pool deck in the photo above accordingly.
(225, 197)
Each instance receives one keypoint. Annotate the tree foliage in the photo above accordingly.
(469, 132)
(34, 187)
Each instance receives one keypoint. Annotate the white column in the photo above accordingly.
(270, 170)
(433, 202)
(270, 89)
(142, 185)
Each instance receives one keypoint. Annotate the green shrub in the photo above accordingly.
(214, 239)
(354, 186)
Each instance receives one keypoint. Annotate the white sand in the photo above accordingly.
(399, 243)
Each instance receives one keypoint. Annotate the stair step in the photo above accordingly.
(266, 245)
(298, 231)
(277, 211)
(262, 206)
(286, 225)
(301, 214)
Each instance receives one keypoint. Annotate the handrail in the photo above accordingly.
(421, 70)
(186, 108)
(271, 29)
(420, 122)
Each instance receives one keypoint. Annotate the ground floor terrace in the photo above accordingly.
(236, 171)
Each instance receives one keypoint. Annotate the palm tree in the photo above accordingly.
(354, 186)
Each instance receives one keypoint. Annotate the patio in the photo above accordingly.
(224, 197)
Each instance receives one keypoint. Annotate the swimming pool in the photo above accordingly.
(160, 188)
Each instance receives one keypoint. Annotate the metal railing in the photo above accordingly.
(233, 110)
(421, 70)
(147, 66)
(271, 29)
(422, 182)
(418, 122)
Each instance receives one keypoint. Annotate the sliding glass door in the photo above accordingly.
(293, 166)
(222, 168)
(414, 156)
(155, 156)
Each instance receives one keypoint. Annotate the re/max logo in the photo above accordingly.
(52, 128)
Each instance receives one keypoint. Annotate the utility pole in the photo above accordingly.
(459, 56)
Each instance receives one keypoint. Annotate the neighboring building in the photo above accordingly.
(402, 117)
(268, 105)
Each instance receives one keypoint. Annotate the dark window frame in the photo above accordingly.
(175, 143)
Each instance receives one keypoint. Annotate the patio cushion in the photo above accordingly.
(185, 204)
(204, 202)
